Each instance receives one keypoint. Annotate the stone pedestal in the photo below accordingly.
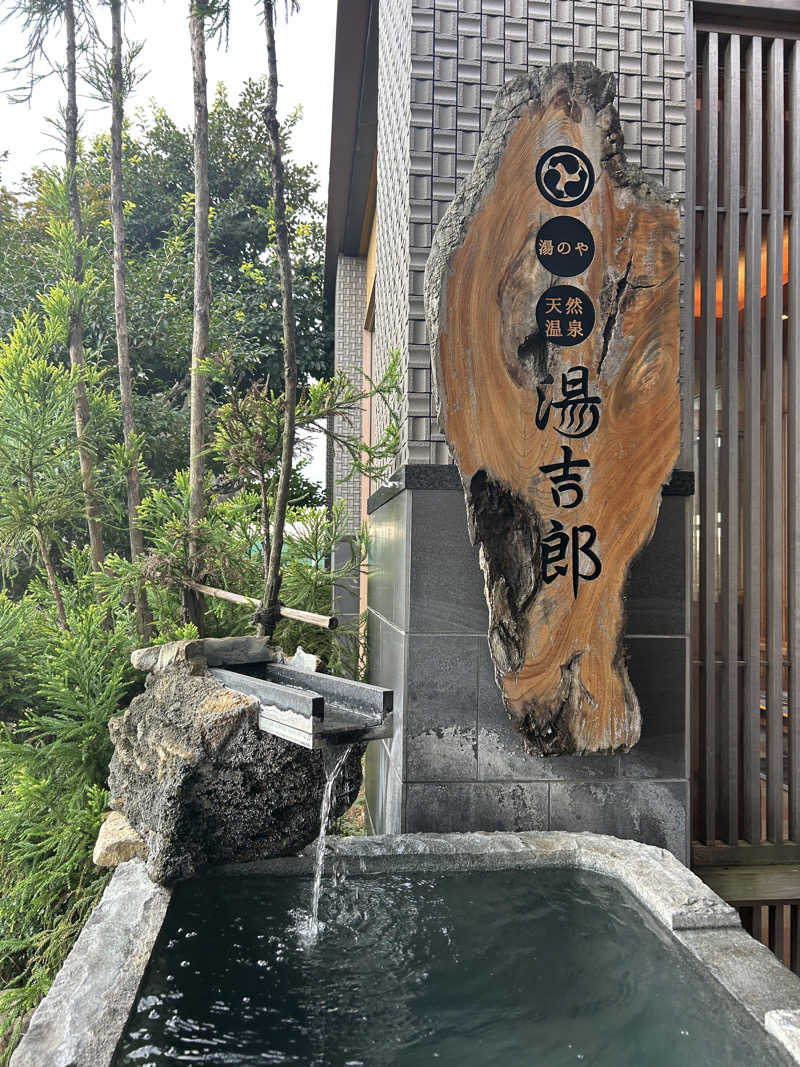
(455, 762)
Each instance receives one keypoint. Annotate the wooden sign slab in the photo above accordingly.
(552, 300)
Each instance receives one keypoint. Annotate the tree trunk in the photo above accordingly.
(265, 531)
(552, 301)
(143, 616)
(193, 604)
(272, 583)
(51, 578)
(76, 355)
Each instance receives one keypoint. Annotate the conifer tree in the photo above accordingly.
(39, 485)
(268, 615)
(39, 19)
(198, 11)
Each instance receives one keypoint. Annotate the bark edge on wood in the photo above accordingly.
(581, 699)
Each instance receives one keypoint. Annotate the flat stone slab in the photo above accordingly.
(785, 1027)
(81, 1020)
(202, 652)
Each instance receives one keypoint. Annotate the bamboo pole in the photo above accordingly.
(325, 622)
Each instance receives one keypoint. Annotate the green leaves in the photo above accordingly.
(19, 647)
(310, 579)
(39, 477)
(53, 770)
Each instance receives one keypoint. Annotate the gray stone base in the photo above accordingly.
(81, 1020)
(455, 763)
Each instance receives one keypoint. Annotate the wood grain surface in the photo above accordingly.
(556, 639)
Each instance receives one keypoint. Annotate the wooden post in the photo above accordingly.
(552, 302)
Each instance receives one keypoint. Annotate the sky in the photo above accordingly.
(305, 48)
(305, 69)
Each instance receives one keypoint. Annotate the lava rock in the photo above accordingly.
(202, 785)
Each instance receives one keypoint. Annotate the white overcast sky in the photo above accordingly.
(305, 69)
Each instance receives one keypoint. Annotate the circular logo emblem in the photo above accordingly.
(564, 315)
(565, 246)
(564, 176)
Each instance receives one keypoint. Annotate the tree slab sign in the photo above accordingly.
(552, 301)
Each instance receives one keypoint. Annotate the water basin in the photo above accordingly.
(550, 966)
(534, 947)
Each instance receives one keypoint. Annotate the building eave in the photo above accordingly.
(354, 131)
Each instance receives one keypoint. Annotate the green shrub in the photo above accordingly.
(20, 643)
(310, 580)
(53, 771)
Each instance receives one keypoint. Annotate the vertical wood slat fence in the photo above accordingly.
(742, 332)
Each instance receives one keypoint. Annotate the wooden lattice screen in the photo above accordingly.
(743, 320)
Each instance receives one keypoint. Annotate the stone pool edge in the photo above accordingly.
(80, 1021)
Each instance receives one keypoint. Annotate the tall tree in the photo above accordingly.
(38, 19)
(118, 92)
(268, 615)
(76, 351)
(193, 604)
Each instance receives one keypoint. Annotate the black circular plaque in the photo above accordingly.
(565, 176)
(565, 246)
(565, 315)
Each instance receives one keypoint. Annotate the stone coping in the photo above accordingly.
(446, 476)
(80, 1021)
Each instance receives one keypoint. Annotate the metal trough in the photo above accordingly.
(314, 710)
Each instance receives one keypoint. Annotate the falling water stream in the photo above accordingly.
(333, 761)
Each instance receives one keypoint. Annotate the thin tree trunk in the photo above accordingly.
(269, 614)
(193, 604)
(51, 578)
(143, 617)
(76, 356)
(265, 534)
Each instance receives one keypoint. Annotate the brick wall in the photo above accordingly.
(351, 280)
(441, 63)
(393, 249)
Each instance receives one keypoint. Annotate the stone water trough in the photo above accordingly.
(204, 779)
(81, 1021)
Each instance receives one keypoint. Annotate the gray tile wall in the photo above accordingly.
(393, 176)
(440, 65)
(348, 354)
(455, 761)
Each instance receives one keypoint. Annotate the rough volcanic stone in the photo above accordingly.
(117, 842)
(203, 785)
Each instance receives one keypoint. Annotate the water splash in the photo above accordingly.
(333, 765)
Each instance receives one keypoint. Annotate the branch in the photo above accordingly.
(311, 618)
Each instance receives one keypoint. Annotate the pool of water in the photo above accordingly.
(546, 967)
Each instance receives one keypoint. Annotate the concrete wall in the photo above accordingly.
(455, 762)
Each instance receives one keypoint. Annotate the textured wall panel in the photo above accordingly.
(441, 63)
(351, 281)
(404, 182)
